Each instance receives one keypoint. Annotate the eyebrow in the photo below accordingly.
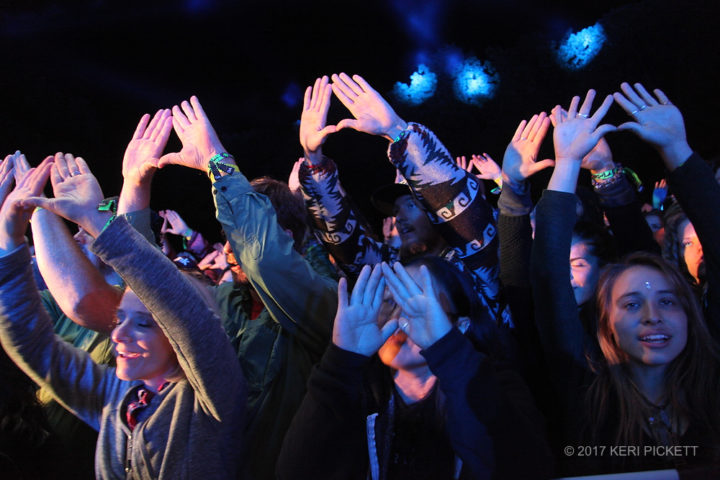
(639, 293)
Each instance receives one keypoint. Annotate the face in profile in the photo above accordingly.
(417, 234)
(691, 250)
(142, 350)
(236, 270)
(646, 318)
(584, 271)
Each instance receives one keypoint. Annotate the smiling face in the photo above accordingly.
(646, 317)
(142, 350)
(417, 234)
(584, 271)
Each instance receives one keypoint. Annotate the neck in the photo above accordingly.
(414, 385)
(650, 380)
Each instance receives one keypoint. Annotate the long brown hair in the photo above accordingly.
(691, 386)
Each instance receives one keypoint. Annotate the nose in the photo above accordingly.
(573, 283)
(121, 333)
(651, 314)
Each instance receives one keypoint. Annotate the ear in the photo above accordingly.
(463, 324)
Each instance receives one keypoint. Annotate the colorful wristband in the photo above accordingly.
(216, 167)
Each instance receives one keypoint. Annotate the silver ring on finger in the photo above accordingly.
(582, 115)
(404, 325)
(643, 107)
(634, 112)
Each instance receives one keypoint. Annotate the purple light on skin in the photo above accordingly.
(423, 83)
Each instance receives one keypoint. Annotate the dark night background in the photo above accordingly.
(77, 76)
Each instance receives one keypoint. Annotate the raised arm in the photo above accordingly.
(297, 297)
(192, 328)
(450, 195)
(556, 312)
(334, 220)
(660, 123)
(26, 332)
(76, 284)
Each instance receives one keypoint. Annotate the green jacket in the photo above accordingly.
(278, 349)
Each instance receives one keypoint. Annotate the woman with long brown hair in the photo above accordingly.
(648, 400)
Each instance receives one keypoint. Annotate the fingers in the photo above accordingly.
(603, 130)
(140, 129)
(307, 99)
(625, 104)
(188, 110)
(341, 95)
(587, 104)
(572, 109)
(649, 100)
(62, 166)
(634, 127)
(426, 281)
(542, 126)
(370, 291)
(82, 165)
(363, 84)
(528, 128)
(556, 115)
(198, 109)
(315, 91)
(342, 293)
(180, 121)
(356, 297)
(633, 96)
(519, 130)
(388, 329)
(662, 97)
(350, 83)
(602, 110)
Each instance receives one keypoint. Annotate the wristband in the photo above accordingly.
(108, 205)
(402, 135)
(216, 166)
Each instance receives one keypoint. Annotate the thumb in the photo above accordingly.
(631, 127)
(388, 329)
(42, 202)
(541, 165)
(347, 123)
(173, 158)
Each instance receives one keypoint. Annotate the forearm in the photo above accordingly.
(334, 221)
(297, 297)
(190, 326)
(76, 284)
(27, 336)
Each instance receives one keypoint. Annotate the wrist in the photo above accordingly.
(398, 127)
(602, 167)
(313, 158)
(675, 154)
(220, 165)
(565, 175)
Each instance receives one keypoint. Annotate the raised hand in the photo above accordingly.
(422, 317)
(600, 157)
(372, 113)
(577, 132)
(520, 159)
(356, 326)
(199, 140)
(15, 213)
(659, 194)
(146, 147)
(486, 167)
(21, 166)
(173, 223)
(313, 128)
(656, 120)
(7, 176)
(294, 178)
(77, 194)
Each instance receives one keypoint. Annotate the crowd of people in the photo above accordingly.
(457, 343)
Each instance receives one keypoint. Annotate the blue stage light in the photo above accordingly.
(579, 48)
(475, 81)
(423, 83)
(292, 96)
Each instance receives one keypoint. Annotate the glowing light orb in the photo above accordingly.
(579, 48)
(475, 81)
(423, 83)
